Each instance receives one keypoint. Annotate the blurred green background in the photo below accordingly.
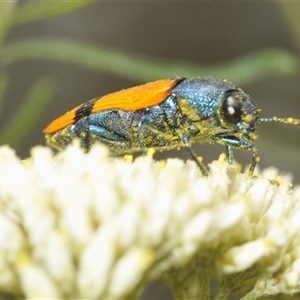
(56, 55)
(56, 61)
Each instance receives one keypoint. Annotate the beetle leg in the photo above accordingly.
(229, 154)
(140, 137)
(254, 160)
(185, 139)
(156, 135)
(105, 134)
(234, 141)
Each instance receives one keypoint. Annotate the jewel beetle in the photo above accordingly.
(165, 114)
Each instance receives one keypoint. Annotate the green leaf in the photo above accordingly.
(31, 111)
(290, 12)
(6, 10)
(3, 85)
(248, 68)
(35, 11)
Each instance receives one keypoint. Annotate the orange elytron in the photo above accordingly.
(130, 99)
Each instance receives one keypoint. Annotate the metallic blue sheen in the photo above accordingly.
(203, 93)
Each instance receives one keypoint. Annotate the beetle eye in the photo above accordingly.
(232, 108)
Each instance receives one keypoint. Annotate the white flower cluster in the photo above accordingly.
(89, 226)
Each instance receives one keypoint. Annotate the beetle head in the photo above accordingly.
(238, 114)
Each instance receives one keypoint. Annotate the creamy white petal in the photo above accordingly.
(85, 225)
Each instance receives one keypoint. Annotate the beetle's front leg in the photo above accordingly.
(229, 154)
(233, 141)
(255, 159)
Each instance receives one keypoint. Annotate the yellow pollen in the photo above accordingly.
(269, 242)
(248, 118)
(150, 152)
(128, 157)
(162, 163)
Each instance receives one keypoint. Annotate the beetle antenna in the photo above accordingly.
(291, 121)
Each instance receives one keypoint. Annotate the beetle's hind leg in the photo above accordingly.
(92, 129)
